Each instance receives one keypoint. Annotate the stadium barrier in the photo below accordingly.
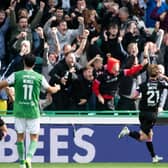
(111, 113)
(86, 136)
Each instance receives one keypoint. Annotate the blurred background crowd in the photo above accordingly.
(78, 42)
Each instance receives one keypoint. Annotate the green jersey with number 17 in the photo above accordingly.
(27, 84)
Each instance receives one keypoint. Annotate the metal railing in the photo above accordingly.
(90, 113)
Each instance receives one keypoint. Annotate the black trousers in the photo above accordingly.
(125, 103)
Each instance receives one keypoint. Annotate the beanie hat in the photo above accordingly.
(111, 62)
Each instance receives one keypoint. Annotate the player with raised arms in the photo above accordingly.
(148, 106)
(27, 85)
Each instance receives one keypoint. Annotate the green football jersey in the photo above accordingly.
(27, 86)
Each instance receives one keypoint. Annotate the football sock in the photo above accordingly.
(21, 152)
(134, 134)
(150, 148)
(32, 149)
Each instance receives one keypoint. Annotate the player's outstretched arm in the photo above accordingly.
(54, 89)
(162, 76)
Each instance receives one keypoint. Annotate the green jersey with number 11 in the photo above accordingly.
(27, 84)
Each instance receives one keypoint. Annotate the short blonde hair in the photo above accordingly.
(95, 59)
(153, 70)
(130, 45)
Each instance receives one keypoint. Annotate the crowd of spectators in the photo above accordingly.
(76, 42)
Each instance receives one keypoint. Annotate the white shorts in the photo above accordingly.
(31, 126)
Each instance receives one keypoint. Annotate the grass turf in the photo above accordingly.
(89, 165)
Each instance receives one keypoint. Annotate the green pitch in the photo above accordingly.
(90, 165)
